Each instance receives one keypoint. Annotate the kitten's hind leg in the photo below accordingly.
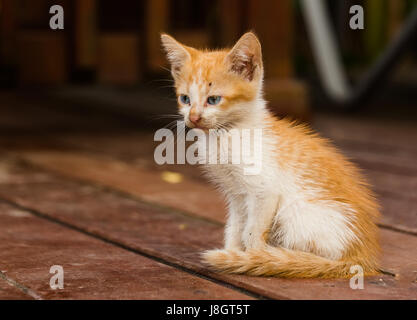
(261, 211)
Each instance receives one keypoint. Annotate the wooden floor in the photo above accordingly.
(93, 201)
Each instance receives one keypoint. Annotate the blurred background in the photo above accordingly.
(102, 83)
(109, 53)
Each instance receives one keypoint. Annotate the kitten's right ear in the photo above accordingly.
(245, 58)
(177, 54)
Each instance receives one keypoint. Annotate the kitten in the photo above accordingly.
(309, 213)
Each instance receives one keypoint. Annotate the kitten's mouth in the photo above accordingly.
(193, 125)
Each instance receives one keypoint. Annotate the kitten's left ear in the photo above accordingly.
(177, 53)
(245, 58)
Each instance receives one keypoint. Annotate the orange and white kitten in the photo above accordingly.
(309, 213)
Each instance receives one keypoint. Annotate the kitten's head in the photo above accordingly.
(215, 89)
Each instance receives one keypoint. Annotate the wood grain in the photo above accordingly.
(179, 238)
(93, 269)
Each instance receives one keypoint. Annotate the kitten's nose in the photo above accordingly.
(194, 116)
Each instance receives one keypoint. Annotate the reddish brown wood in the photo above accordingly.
(399, 213)
(9, 292)
(179, 239)
(146, 183)
(403, 165)
(93, 269)
(398, 186)
(387, 136)
(188, 195)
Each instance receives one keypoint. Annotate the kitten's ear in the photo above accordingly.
(177, 53)
(245, 58)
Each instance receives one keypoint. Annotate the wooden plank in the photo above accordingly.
(397, 186)
(148, 183)
(400, 214)
(10, 292)
(93, 269)
(139, 182)
(398, 163)
(386, 136)
(179, 239)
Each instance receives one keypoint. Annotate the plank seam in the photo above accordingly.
(20, 286)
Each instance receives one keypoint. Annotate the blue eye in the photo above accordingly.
(185, 99)
(213, 100)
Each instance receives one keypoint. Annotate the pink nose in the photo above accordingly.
(194, 118)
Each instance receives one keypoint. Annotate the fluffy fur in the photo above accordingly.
(309, 213)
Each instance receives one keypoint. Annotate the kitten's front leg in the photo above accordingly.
(261, 212)
(234, 226)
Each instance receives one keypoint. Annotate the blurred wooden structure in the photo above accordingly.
(119, 43)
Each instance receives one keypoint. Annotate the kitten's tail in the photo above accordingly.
(284, 263)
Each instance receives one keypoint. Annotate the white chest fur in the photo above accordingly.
(298, 222)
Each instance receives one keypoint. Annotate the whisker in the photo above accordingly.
(165, 68)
